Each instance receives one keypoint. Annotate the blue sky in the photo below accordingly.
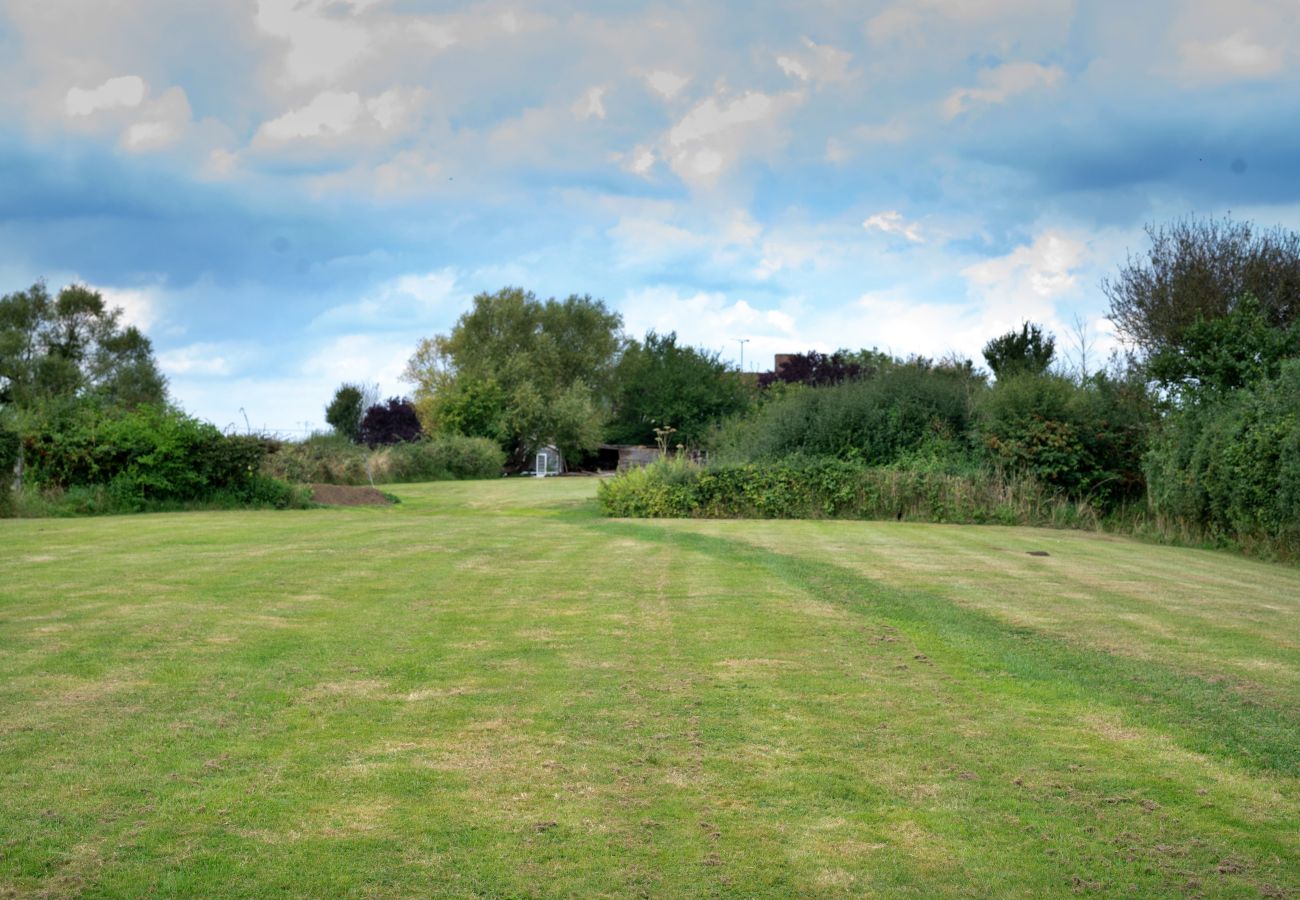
(287, 194)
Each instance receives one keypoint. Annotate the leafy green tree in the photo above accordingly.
(344, 412)
(659, 382)
(72, 345)
(1027, 351)
(1198, 270)
(1228, 353)
(521, 371)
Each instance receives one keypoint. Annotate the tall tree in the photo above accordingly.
(521, 371)
(72, 346)
(1028, 351)
(1199, 270)
(345, 411)
(659, 383)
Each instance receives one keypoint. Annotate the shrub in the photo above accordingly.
(389, 423)
(153, 452)
(1086, 440)
(329, 459)
(873, 421)
(828, 488)
(1230, 469)
(443, 458)
(10, 447)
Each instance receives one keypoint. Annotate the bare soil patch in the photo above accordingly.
(347, 495)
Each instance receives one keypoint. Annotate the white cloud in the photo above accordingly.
(322, 45)
(891, 221)
(416, 299)
(714, 133)
(641, 160)
(702, 318)
(901, 325)
(140, 307)
(793, 68)
(359, 357)
(387, 109)
(162, 123)
(204, 359)
(915, 19)
(1236, 56)
(116, 93)
(667, 83)
(999, 84)
(818, 63)
(591, 104)
(329, 113)
(1027, 283)
(724, 240)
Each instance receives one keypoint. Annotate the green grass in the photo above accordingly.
(489, 690)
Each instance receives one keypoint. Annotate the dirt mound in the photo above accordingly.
(347, 495)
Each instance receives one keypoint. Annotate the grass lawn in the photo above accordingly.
(489, 690)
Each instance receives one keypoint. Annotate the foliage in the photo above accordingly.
(813, 369)
(658, 381)
(72, 345)
(101, 500)
(1085, 439)
(1198, 270)
(449, 457)
(1028, 351)
(873, 421)
(1230, 467)
(520, 371)
(389, 423)
(1236, 350)
(153, 454)
(10, 448)
(828, 488)
(331, 459)
(344, 412)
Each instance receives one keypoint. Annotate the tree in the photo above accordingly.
(1234, 351)
(1199, 270)
(521, 371)
(814, 369)
(350, 403)
(659, 382)
(389, 423)
(72, 346)
(1028, 351)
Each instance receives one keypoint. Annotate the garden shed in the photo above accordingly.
(548, 461)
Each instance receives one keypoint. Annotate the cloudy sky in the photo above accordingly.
(287, 194)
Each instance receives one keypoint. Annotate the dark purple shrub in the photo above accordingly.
(389, 423)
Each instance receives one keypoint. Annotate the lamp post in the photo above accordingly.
(742, 342)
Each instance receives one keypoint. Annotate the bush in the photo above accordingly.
(443, 458)
(1230, 469)
(330, 459)
(96, 500)
(10, 446)
(389, 423)
(1086, 440)
(152, 453)
(828, 488)
(873, 421)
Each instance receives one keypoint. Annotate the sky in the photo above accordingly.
(289, 194)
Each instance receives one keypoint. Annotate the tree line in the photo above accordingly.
(1197, 423)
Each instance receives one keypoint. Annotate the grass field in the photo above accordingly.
(490, 691)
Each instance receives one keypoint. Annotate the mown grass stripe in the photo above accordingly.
(1203, 716)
